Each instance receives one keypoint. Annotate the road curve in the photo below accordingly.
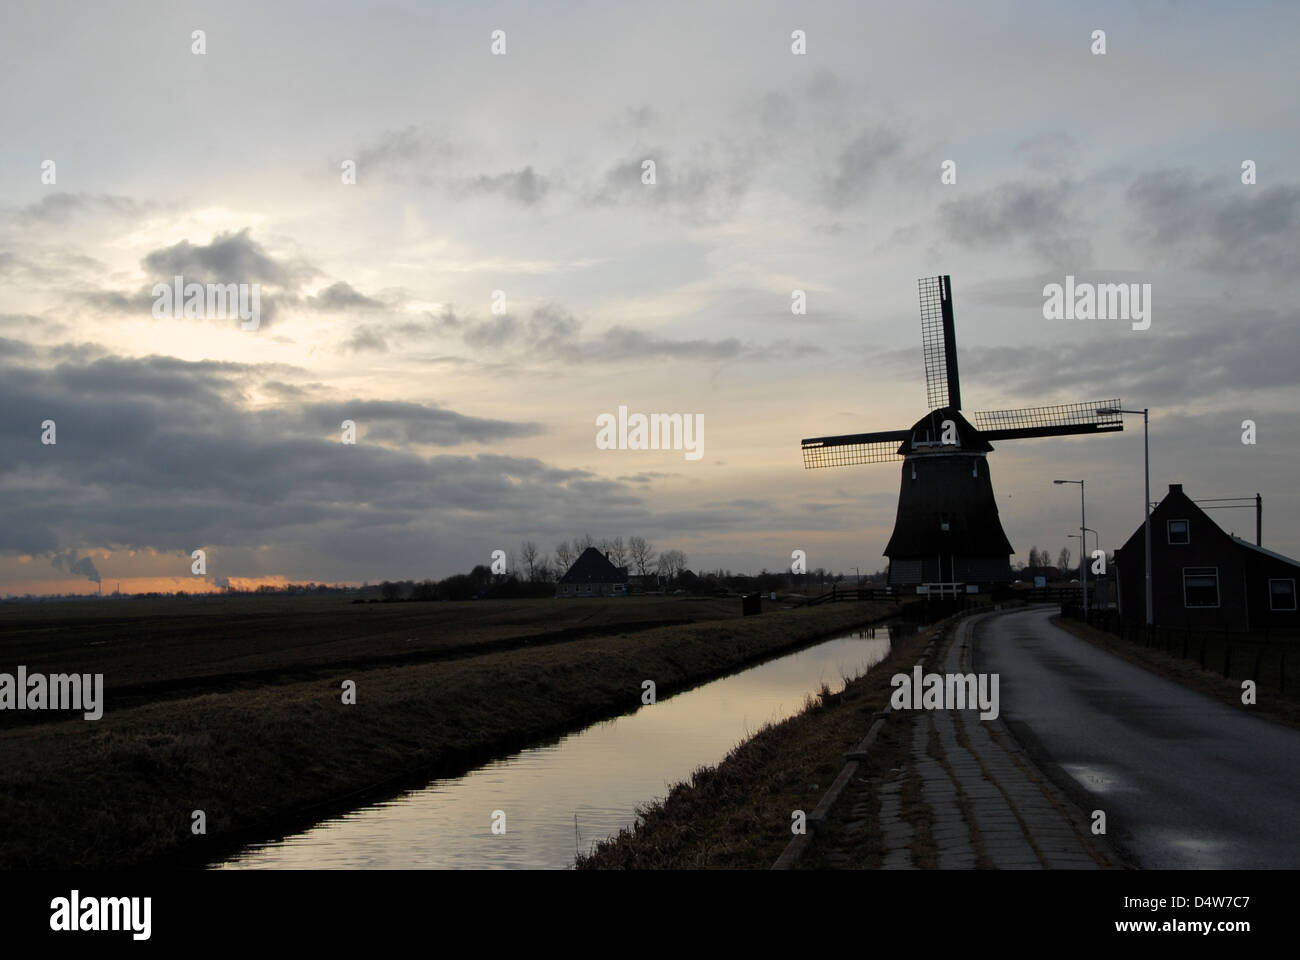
(1184, 781)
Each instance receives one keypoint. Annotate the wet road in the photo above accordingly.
(1184, 781)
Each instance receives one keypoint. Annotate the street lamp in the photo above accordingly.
(1096, 540)
(1146, 503)
(1083, 520)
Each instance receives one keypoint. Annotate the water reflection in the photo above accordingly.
(600, 775)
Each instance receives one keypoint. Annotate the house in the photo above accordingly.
(593, 575)
(1201, 577)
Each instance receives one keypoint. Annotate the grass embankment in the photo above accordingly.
(1282, 707)
(120, 791)
(737, 814)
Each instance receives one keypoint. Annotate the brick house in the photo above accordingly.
(1202, 577)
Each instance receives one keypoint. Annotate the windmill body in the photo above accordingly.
(947, 531)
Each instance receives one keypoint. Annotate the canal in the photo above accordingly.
(556, 799)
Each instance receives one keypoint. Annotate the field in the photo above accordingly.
(157, 649)
(234, 707)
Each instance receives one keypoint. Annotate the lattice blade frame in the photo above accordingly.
(853, 448)
(1056, 420)
(939, 342)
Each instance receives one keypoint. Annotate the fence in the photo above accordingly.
(1263, 656)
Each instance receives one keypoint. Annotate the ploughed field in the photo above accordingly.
(158, 649)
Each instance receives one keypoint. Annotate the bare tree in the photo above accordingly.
(528, 554)
(563, 556)
(580, 545)
(672, 563)
(1063, 560)
(641, 551)
(617, 552)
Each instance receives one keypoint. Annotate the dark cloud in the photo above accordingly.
(388, 421)
(341, 296)
(229, 258)
(77, 566)
(523, 187)
(858, 165)
(1012, 212)
(365, 339)
(407, 155)
(163, 454)
(706, 186)
(1219, 224)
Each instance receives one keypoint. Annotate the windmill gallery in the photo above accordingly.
(947, 535)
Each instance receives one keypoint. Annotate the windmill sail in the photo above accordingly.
(939, 343)
(1054, 421)
(841, 451)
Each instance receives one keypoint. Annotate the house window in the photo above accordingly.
(1200, 586)
(1281, 594)
(1178, 531)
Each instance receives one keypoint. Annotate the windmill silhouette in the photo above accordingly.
(948, 531)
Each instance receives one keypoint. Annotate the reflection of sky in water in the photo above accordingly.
(601, 774)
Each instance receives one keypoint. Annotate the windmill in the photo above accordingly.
(947, 530)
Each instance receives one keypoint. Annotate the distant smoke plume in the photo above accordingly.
(69, 563)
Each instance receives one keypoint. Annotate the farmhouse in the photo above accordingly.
(1202, 577)
(593, 575)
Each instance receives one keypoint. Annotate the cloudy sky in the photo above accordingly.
(522, 173)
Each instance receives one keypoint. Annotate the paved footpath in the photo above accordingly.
(990, 806)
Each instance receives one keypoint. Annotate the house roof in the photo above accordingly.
(1268, 553)
(592, 566)
(1176, 505)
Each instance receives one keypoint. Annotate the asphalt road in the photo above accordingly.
(1184, 781)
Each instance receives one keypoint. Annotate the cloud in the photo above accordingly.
(707, 186)
(228, 258)
(523, 187)
(60, 208)
(341, 296)
(388, 421)
(165, 454)
(1011, 212)
(858, 164)
(81, 567)
(1222, 226)
(1223, 351)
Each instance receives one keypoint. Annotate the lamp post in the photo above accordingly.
(1083, 542)
(1146, 503)
(1096, 540)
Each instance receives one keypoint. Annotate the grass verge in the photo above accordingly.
(1284, 708)
(738, 814)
